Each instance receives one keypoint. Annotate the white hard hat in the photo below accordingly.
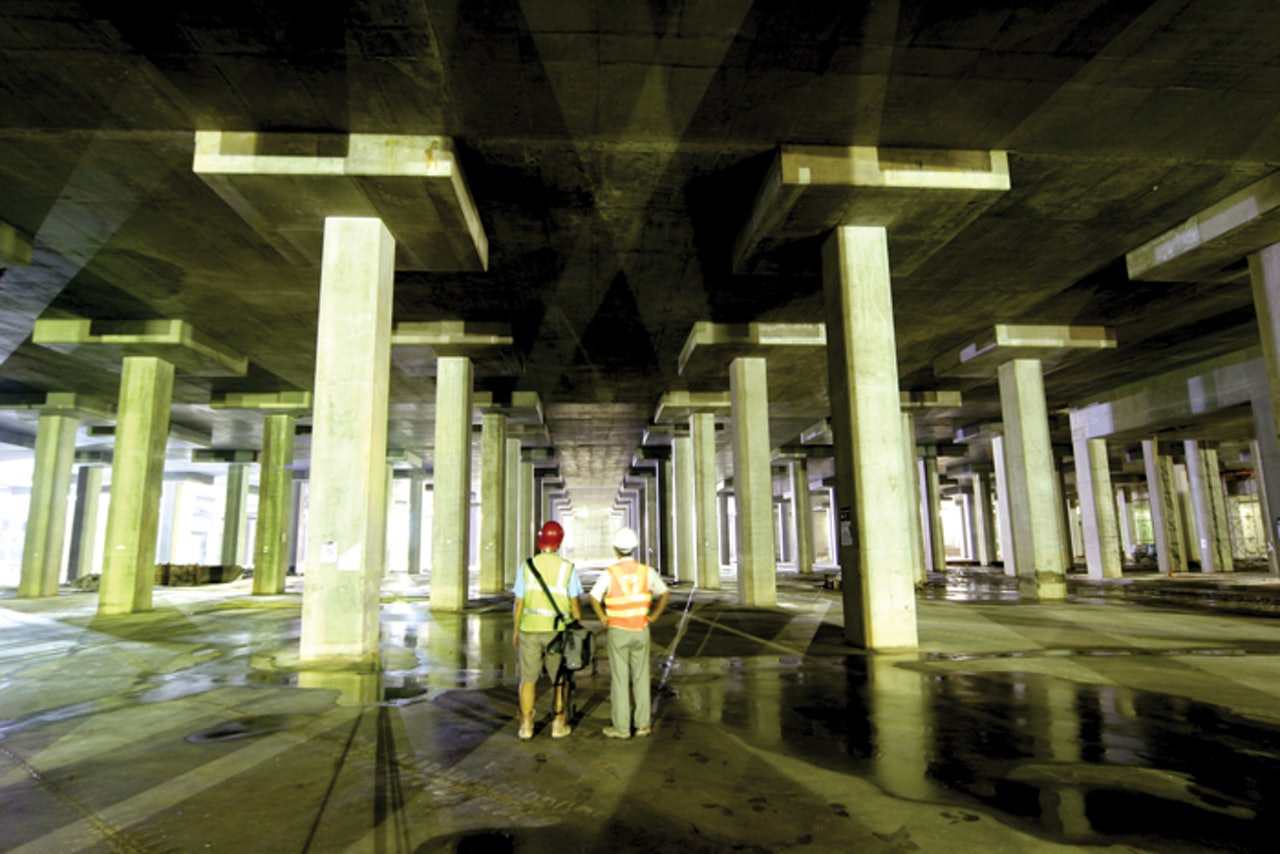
(625, 540)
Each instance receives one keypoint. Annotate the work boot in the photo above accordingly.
(610, 732)
(559, 728)
(643, 731)
(526, 728)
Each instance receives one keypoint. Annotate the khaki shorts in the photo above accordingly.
(533, 654)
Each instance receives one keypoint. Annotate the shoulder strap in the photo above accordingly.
(559, 617)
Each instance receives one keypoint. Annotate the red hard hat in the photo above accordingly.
(550, 536)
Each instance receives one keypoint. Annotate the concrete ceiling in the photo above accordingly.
(613, 150)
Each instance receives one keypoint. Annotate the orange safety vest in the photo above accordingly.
(626, 604)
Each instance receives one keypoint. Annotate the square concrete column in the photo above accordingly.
(275, 500)
(983, 521)
(702, 432)
(1008, 554)
(653, 519)
(685, 567)
(346, 516)
(233, 512)
(1033, 494)
(1210, 508)
(1264, 273)
(936, 554)
(915, 524)
(137, 477)
(1166, 518)
(1125, 514)
(450, 541)
(515, 539)
(1266, 450)
(493, 502)
(1102, 548)
(871, 486)
(667, 497)
(47, 517)
(528, 523)
(417, 492)
(753, 481)
(84, 522)
(802, 515)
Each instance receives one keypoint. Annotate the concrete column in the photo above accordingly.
(1264, 273)
(1008, 554)
(47, 517)
(84, 522)
(686, 565)
(1066, 539)
(493, 502)
(233, 510)
(983, 521)
(653, 526)
(297, 537)
(936, 553)
(528, 523)
(753, 481)
(346, 513)
(417, 492)
(1102, 550)
(275, 504)
(1126, 522)
(915, 497)
(1210, 508)
(137, 475)
(728, 549)
(1033, 502)
(702, 432)
(802, 512)
(515, 541)
(450, 542)
(873, 495)
(1186, 519)
(1171, 554)
(667, 492)
(170, 495)
(1267, 453)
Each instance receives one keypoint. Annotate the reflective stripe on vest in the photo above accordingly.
(538, 615)
(627, 602)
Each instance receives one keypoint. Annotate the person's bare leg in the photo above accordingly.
(527, 692)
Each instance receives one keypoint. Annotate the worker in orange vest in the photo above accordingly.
(623, 599)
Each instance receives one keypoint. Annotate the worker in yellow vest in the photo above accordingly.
(539, 607)
(624, 599)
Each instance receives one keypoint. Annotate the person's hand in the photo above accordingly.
(516, 643)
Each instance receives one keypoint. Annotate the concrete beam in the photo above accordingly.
(710, 347)
(60, 403)
(677, 406)
(810, 190)
(15, 247)
(1219, 235)
(107, 342)
(281, 183)
(1004, 342)
(270, 401)
(224, 455)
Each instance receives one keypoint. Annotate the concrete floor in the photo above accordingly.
(1090, 724)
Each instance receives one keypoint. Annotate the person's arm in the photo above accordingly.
(598, 592)
(519, 611)
(660, 607)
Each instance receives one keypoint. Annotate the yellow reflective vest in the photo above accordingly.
(538, 614)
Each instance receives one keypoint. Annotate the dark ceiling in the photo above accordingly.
(613, 149)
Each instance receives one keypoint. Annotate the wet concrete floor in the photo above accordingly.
(1017, 726)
